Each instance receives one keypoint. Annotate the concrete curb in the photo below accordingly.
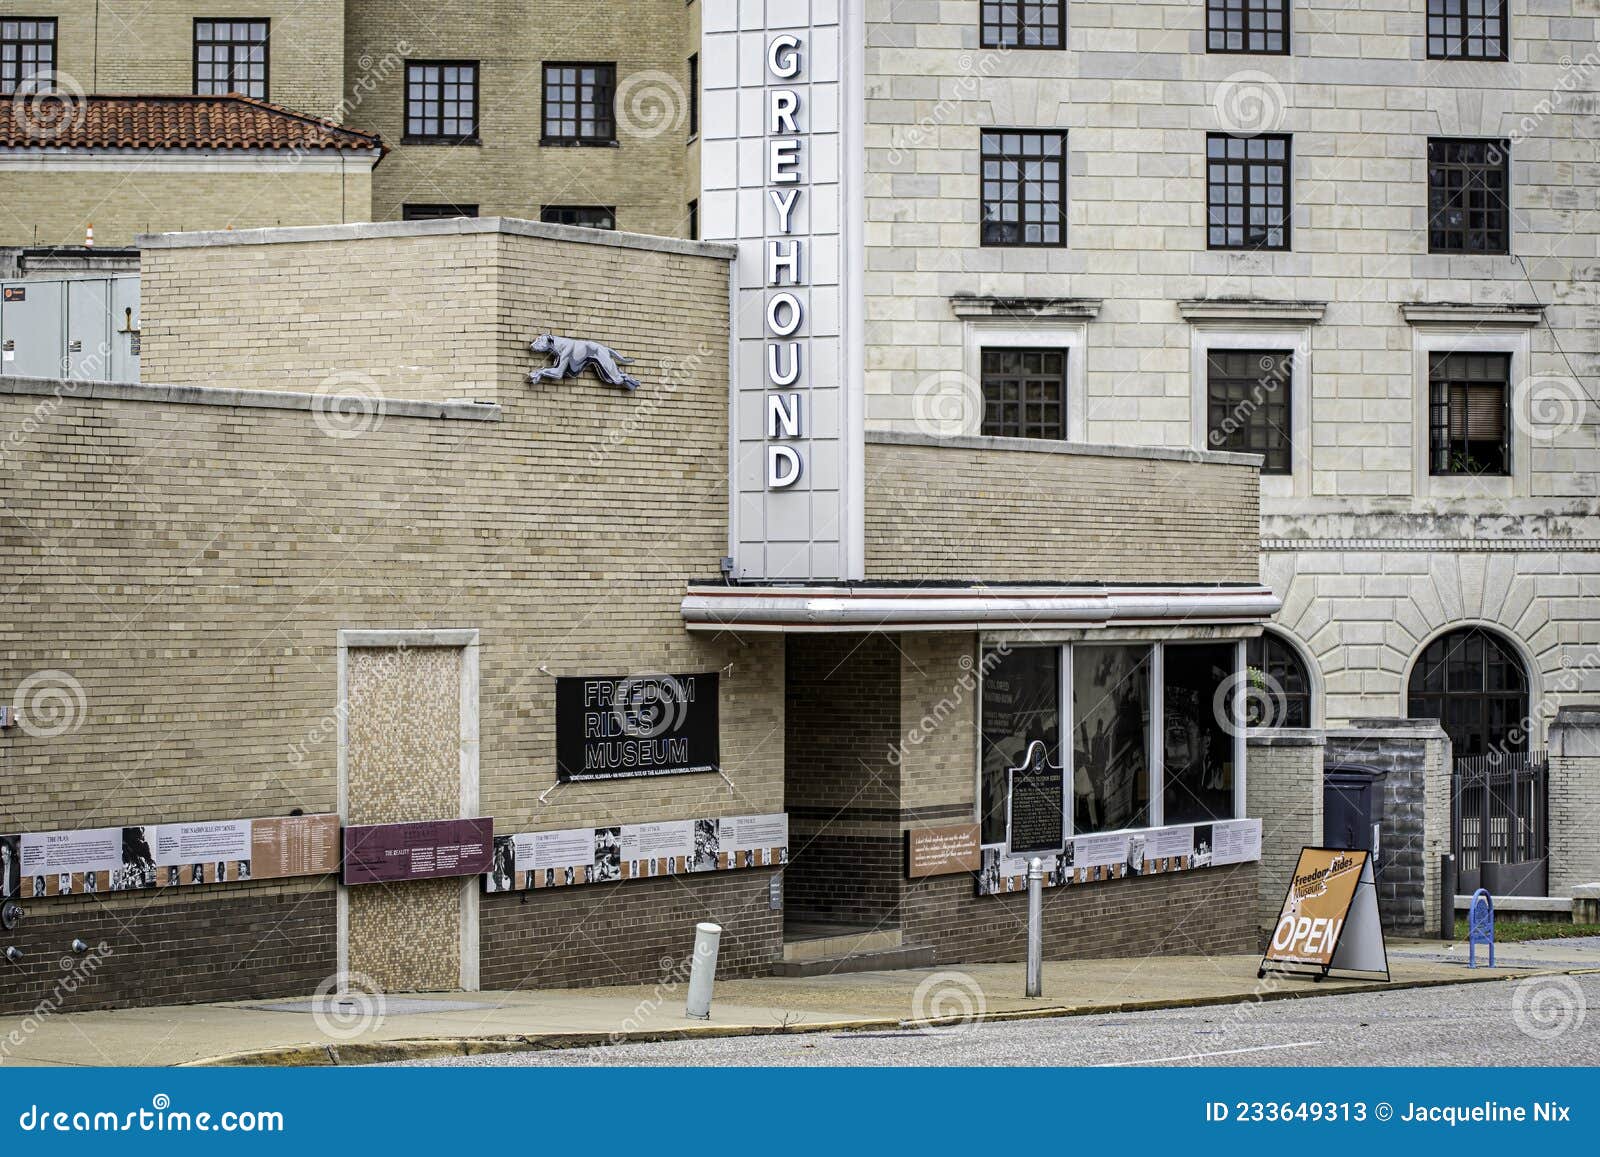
(443, 1048)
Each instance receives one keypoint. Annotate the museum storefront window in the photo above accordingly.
(1120, 777)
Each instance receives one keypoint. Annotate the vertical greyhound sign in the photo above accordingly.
(784, 312)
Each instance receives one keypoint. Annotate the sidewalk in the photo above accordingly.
(452, 1024)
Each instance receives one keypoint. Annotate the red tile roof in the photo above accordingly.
(66, 121)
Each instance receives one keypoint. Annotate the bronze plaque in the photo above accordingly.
(943, 851)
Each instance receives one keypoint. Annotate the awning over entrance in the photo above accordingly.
(868, 607)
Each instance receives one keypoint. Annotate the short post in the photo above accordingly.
(1035, 927)
(703, 970)
(1447, 897)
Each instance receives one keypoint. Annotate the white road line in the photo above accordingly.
(1202, 1056)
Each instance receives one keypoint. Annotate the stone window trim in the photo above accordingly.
(1264, 27)
(1232, 331)
(27, 49)
(1068, 335)
(222, 33)
(467, 640)
(1429, 339)
(425, 127)
(1468, 29)
(583, 113)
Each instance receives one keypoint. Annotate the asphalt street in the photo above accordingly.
(1552, 1020)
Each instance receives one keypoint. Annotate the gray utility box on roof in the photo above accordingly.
(86, 328)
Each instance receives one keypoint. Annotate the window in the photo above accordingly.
(694, 94)
(1247, 26)
(1247, 192)
(1475, 686)
(578, 104)
(694, 220)
(588, 216)
(1110, 737)
(415, 212)
(1021, 704)
(1024, 188)
(1025, 393)
(441, 101)
(1468, 399)
(1021, 24)
(1247, 405)
(230, 56)
(1274, 667)
(1468, 189)
(1197, 732)
(1467, 29)
(27, 48)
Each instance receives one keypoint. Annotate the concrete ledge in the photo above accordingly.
(1286, 737)
(1043, 446)
(453, 227)
(244, 399)
(1553, 905)
(1251, 309)
(1465, 313)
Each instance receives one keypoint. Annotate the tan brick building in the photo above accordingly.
(341, 558)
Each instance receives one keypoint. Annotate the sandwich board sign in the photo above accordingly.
(1329, 918)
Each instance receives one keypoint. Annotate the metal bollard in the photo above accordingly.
(703, 970)
(1035, 927)
(1447, 897)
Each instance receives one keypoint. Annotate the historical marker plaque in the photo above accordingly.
(1036, 803)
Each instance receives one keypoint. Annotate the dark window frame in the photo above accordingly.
(409, 137)
(548, 214)
(1450, 371)
(992, 33)
(1288, 688)
(693, 223)
(435, 211)
(1467, 186)
(1465, 36)
(1285, 8)
(694, 95)
(998, 421)
(1003, 158)
(18, 43)
(1249, 188)
(1453, 679)
(578, 141)
(266, 54)
(1259, 429)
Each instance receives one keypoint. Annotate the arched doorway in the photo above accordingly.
(1288, 700)
(1473, 682)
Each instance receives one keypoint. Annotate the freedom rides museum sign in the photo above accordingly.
(622, 727)
(781, 164)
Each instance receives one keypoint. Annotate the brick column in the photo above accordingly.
(1283, 788)
(1574, 798)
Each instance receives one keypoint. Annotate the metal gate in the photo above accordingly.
(1500, 823)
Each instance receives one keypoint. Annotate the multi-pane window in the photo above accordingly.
(578, 102)
(1247, 26)
(1286, 701)
(588, 216)
(1469, 182)
(413, 211)
(27, 48)
(1025, 393)
(1467, 29)
(1475, 685)
(1247, 191)
(1024, 188)
(441, 100)
(1468, 404)
(1023, 24)
(230, 56)
(1247, 405)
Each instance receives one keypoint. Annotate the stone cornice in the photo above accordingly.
(1025, 308)
(1412, 545)
(1458, 313)
(1251, 310)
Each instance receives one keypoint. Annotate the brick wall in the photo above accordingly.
(842, 792)
(1284, 788)
(227, 943)
(1574, 790)
(1051, 512)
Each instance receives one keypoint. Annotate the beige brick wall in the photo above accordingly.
(510, 173)
(1284, 788)
(1055, 513)
(149, 48)
(1574, 800)
(52, 204)
(189, 565)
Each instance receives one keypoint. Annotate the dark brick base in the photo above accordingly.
(1209, 911)
(239, 945)
(625, 933)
